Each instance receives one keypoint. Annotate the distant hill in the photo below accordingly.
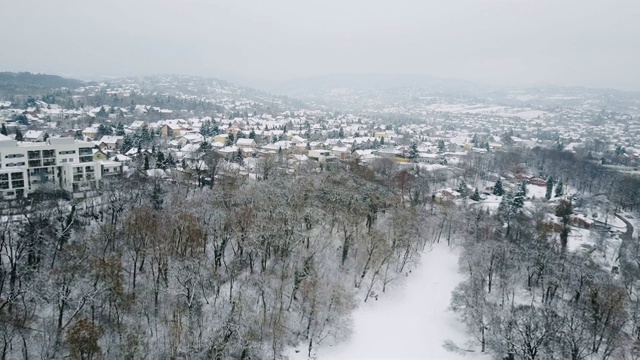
(26, 83)
(368, 82)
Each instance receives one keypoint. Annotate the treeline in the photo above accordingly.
(240, 270)
(26, 83)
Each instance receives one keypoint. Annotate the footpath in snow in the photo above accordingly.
(411, 321)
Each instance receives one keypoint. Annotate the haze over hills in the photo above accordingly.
(26, 83)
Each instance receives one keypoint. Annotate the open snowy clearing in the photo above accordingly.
(410, 322)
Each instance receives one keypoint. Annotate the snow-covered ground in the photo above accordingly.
(411, 321)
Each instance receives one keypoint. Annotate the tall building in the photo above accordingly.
(68, 163)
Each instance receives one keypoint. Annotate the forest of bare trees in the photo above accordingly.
(244, 269)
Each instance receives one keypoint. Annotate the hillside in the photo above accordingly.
(26, 83)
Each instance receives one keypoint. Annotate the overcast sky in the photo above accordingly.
(513, 42)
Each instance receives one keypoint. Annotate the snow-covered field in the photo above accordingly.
(411, 321)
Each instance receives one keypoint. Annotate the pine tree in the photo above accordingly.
(413, 151)
(230, 140)
(523, 189)
(381, 141)
(157, 194)
(19, 136)
(252, 134)
(4, 131)
(517, 201)
(341, 133)
(559, 189)
(549, 192)
(238, 158)
(146, 162)
(462, 189)
(102, 112)
(160, 161)
(498, 190)
(475, 196)
(441, 145)
(120, 129)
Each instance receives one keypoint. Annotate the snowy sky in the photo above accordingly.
(564, 42)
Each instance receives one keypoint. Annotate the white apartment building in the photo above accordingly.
(68, 163)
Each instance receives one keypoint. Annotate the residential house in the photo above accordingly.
(34, 136)
(111, 142)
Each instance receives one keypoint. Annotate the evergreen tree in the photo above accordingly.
(170, 160)
(157, 196)
(463, 190)
(413, 151)
(523, 189)
(145, 136)
(252, 134)
(120, 129)
(146, 162)
(205, 146)
(341, 133)
(78, 135)
(22, 119)
(475, 196)
(102, 112)
(441, 145)
(381, 141)
(498, 190)
(104, 130)
(549, 192)
(517, 201)
(160, 161)
(230, 140)
(205, 129)
(128, 143)
(4, 131)
(238, 158)
(19, 136)
(559, 189)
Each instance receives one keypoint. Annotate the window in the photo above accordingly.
(67, 152)
(48, 153)
(13, 156)
(16, 176)
(4, 177)
(17, 184)
(35, 154)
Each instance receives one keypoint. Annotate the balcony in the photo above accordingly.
(49, 162)
(34, 154)
(48, 153)
(35, 163)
